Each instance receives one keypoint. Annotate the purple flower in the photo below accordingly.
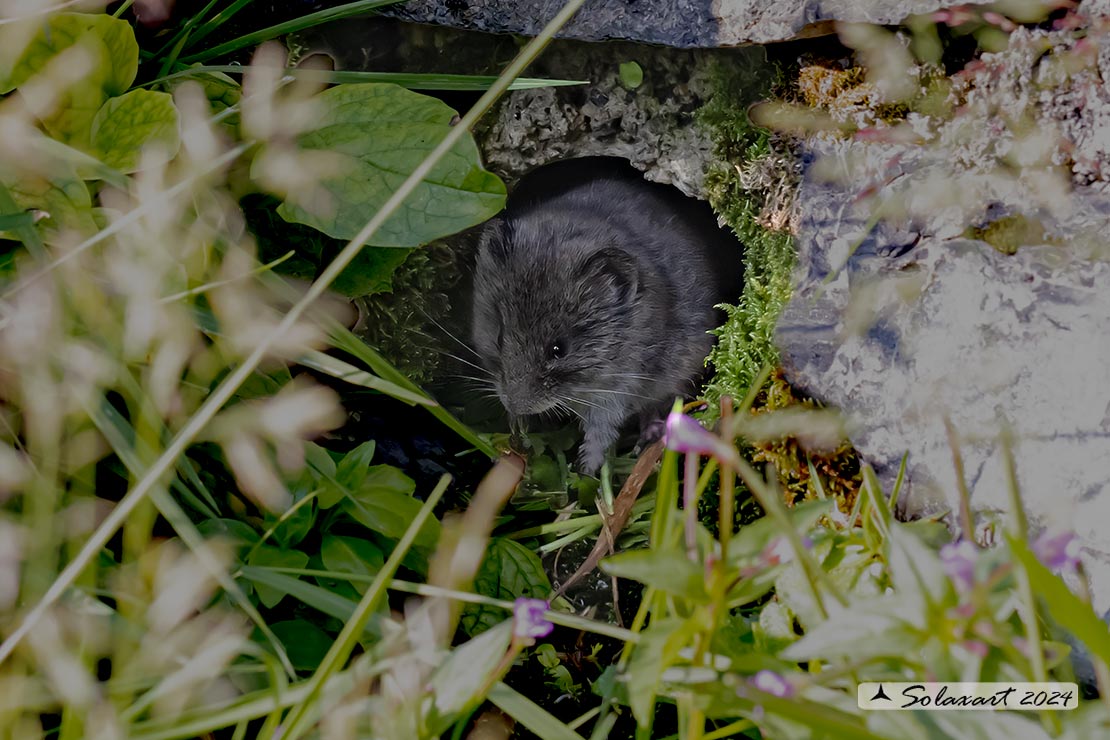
(958, 561)
(773, 683)
(529, 621)
(1058, 551)
(685, 434)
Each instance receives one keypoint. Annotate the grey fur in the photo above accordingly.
(623, 281)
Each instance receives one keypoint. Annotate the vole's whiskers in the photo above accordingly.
(477, 367)
(444, 329)
(614, 392)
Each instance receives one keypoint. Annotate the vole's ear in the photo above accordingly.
(495, 239)
(614, 269)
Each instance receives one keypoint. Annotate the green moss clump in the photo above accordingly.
(399, 323)
(752, 190)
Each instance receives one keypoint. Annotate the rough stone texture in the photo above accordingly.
(681, 23)
(904, 321)
(652, 125)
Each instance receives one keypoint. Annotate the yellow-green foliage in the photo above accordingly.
(838, 471)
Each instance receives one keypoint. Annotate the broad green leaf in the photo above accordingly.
(127, 124)
(273, 557)
(295, 524)
(669, 571)
(353, 468)
(63, 199)
(870, 628)
(305, 643)
(1071, 612)
(655, 652)
(389, 514)
(916, 572)
(370, 272)
(102, 47)
(382, 132)
(457, 681)
(353, 556)
(386, 478)
(631, 75)
(509, 571)
(384, 504)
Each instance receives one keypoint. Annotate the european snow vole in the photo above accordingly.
(594, 293)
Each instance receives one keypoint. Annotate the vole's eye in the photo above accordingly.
(557, 349)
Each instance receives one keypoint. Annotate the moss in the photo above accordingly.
(752, 190)
(398, 323)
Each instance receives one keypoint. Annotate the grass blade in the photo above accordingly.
(412, 81)
(531, 715)
(349, 373)
(281, 29)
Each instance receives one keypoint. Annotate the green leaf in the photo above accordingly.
(631, 74)
(105, 50)
(752, 538)
(127, 124)
(273, 557)
(457, 681)
(370, 272)
(1071, 612)
(355, 465)
(382, 132)
(305, 643)
(509, 571)
(657, 649)
(386, 478)
(351, 556)
(384, 504)
(669, 571)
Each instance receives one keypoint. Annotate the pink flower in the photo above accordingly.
(958, 561)
(1059, 551)
(685, 434)
(529, 620)
(773, 683)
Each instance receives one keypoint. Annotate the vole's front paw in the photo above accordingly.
(589, 461)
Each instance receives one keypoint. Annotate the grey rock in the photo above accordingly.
(904, 326)
(681, 23)
(653, 125)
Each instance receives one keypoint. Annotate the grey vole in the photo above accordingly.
(594, 293)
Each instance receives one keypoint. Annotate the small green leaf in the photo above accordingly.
(273, 557)
(657, 649)
(384, 504)
(370, 272)
(1071, 612)
(353, 468)
(353, 556)
(457, 681)
(386, 478)
(126, 125)
(752, 538)
(305, 643)
(382, 132)
(632, 75)
(509, 571)
(669, 571)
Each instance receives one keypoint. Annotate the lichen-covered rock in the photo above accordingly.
(955, 277)
(682, 23)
